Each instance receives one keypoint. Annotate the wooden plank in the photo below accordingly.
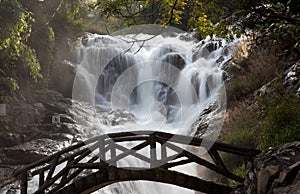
(63, 171)
(101, 144)
(164, 153)
(178, 163)
(205, 163)
(135, 154)
(112, 151)
(153, 156)
(65, 176)
(128, 152)
(41, 179)
(217, 159)
(71, 176)
(130, 138)
(61, 160)
(52, 168)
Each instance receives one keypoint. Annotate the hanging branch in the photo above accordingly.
(172, 12)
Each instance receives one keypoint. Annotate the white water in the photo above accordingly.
(143, 78)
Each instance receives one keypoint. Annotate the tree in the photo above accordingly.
(273, 19)
(18, 60)
(183, 14)
(270, 21)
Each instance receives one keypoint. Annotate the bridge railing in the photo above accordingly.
(161, 150)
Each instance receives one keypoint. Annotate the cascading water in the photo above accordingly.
(164, 80)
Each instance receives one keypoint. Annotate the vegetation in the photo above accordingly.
(281, 123)
(239, 171)
(17, 58)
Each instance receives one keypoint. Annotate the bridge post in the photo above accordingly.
(102, 150)
(153, 155)
(163, 151)
(112, 151)
(24, 183)
(41, 180)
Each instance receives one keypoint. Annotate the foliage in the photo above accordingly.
(282, 120)
(184, 14)
(242, 133)
(17, 58)
(273, 21)
(242, 137)
(69, 20)
(239, 171)
(43, 45)
(252, 68)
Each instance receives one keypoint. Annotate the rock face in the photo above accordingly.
(42, 125)
(31, 151)
(275, 171)
(62, 78)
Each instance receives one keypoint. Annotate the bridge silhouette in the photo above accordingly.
(93, 164)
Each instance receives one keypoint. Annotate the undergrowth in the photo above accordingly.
(262, 119)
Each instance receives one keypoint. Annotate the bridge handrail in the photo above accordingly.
(131, 136)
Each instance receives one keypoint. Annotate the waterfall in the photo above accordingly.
(165, 80)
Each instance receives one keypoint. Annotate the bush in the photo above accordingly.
(251, 71)
(243, 137)
(282, 122)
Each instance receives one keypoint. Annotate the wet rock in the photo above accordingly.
(210, 47)
(187, 37)
(10, 139)
(292, 78)
(6, 177)
(202, 124)
(275, 171)
(62, 79)
(49, 115)
(206, 48)
(220, 59)
(174, 59)
(30, 151)
(118, 117)
(42, 125)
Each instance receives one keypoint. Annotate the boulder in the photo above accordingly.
(276, 170)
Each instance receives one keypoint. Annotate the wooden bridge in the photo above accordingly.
(94, 164)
